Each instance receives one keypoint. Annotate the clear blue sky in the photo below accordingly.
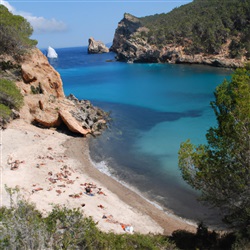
(70, 23)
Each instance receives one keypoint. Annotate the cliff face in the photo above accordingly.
(127, 44)
(45, 102)
(126, 28)
(131, 46)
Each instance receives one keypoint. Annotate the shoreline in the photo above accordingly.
(45, 152)
(136, 191)
(169, 222)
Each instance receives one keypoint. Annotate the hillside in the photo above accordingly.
(32, 89)
(206, 32)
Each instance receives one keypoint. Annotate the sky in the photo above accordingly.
(66, 23)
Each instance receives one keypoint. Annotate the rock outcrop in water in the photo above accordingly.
(45, 102)
(131, 46)
(96, 47)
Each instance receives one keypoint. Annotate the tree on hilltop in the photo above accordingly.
(15, 32)
(203, 26)
(221, 169)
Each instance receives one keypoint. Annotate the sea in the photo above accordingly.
(153, 109)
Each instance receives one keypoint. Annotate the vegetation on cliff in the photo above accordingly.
(15, 32)
(203, 27)
(14, 42)
(10, 99)
(10, 96)
(221, 169)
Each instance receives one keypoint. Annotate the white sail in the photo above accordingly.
(51, 53)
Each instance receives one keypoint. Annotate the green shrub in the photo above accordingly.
(8, 65)
(15, 32)
(5, 111)
(10, 95)
(10, 98)
(23, 227)
(68, 228)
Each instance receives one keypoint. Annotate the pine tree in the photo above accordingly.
(220, 169)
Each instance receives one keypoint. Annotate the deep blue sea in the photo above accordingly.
(154, 107)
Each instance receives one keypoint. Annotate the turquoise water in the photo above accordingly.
(154, 107)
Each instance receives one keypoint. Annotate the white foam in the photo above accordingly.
(102, 167)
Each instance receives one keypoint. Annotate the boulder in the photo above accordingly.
(91, 118)
(47, 119)
(72, 124)
(28, 77)
(96, 47)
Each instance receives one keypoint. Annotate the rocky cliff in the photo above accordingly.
(131, 45)
(45, 102)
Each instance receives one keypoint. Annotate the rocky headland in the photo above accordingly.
(131, 45)
(96, 47)
(45, 103)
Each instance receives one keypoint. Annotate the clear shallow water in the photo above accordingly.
(154, 107)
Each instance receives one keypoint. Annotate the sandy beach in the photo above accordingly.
(53, 168)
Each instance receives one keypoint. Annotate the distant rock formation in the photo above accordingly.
(126, 27)
(46, 104)
(96, 47)
(130, 46)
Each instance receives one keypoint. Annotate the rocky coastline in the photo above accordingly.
(46, 154)
(131, 47)
(45, 103)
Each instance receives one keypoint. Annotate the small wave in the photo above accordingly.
(103, 167)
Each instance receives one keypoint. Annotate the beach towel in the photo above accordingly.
(129, 229)
(89, 194)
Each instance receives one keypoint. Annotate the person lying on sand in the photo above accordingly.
(89, 184)
(36, 189)
(88, 190)
(15, 165)
(100, 192)
(127, 228)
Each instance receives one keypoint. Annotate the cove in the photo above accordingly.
(154, 107)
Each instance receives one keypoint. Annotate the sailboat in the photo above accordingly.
(51, 53)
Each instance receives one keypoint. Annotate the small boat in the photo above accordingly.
(51, 53)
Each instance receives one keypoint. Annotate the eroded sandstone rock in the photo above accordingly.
(72, 124)
(46, 104)
(36, 71)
